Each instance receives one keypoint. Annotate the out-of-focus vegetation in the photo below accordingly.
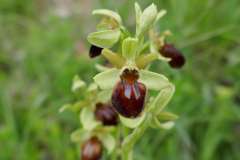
(43, 45)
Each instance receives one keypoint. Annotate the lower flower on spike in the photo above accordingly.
(129, 95)
(106, 114)
(177, 58)
(92, 149)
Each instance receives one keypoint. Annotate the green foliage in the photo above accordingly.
(38, 60)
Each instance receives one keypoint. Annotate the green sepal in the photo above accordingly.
(162, 99)
(152, 80)
(154, 49)
(104, 39)
(73, 107)
(132, 123)
(130, 48)
(107, 79)
(166, 116)
(77, 83)
(104, 95)
(88, 120)
(108, 13)
(138, 12)
(108, 142)
(160, 15)
(156, 123)
(80, 136)
(92, 87)
(65, 107)
(147, 20)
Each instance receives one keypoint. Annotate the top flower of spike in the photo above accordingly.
(129, 80)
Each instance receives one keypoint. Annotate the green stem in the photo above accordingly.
(129, 142)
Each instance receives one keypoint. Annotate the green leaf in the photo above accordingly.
(107, 79)
(148, 18)
(152, 80)
(138, 11)
(132, 123)
(108, 142)
(77, 83)
(129, 48)
(80, 135)
(108, 13)
(167, 116)
(104, 39)
(87, 119)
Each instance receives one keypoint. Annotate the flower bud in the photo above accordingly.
(95, 51)
(106, 114)
(129, 95)
(177, 58)
(92, 149)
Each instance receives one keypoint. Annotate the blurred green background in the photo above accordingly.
(43, 45)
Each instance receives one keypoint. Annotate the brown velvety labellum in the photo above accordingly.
(92, 149)
(129, 95)
(95, 51)
(177, 58)
(106, 114)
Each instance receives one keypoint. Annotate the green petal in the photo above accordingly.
(108, 142)
(132, 123)
(87, 119)
(104, 39)
(109, 13)
(80, 135)
(152, 80)
(107, 79)
(129, 48)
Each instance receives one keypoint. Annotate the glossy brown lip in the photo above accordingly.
(92, 149)
(128, 96)
(106, 114)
